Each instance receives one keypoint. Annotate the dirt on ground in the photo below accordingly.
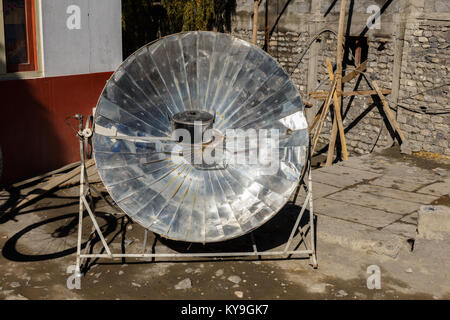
(38, 246)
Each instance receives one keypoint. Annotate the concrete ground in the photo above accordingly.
(366, 216)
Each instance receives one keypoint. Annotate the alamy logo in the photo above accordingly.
(73, 22)
(374, 280)
(374, 21)
(74, 280)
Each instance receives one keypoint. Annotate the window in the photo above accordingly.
(19, 36)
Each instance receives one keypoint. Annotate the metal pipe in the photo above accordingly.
(199, 255)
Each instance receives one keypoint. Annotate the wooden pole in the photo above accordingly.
(337, 98)
(53, 183)
(255, 22)
(267, 28)
(316, 118)
(323, 116)
(2, 41)
(322, 95)
(388, 112)
(337, 124)
(333, 135)
(339, 55)
(46, 175)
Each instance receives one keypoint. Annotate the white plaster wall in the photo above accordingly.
(95, 47)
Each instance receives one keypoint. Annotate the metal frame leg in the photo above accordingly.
(253, 253)
(81, 207)
(312, 222)
(144, 245)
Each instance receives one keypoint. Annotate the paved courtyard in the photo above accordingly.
(366, 216)
(373, 200)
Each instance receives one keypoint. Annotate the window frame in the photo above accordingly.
(33, 68)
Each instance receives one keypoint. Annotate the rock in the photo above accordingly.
(16, 297)
(219, 273)
(189, 270)
(121, 272)
(405, 149)
(14, 285)
(389, 247)
(184, 284)
(434, 222)
(235, 279)
(239, 294)
(360, 295)
(318, 288)
(409, 270)
(134, 284)
(441, 172)
(342, 293)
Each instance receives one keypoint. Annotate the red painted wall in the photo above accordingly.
(33, 136)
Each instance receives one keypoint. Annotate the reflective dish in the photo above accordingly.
(147, 171)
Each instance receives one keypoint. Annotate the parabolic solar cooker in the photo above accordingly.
(216, 88)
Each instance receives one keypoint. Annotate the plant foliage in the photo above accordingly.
(146, 20)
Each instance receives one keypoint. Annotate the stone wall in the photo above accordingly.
(408, 54)
(425, 83)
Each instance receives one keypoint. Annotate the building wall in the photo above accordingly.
(33, 135)
(425, 65)
(77, 62)
(408, 54)
(95, 47)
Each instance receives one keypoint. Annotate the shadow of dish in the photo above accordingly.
(270, 235)
(61, 237)
(60, 231)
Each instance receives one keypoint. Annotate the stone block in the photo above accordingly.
(434, 222)
(395, 206)
(354, 213)
(438, 189)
